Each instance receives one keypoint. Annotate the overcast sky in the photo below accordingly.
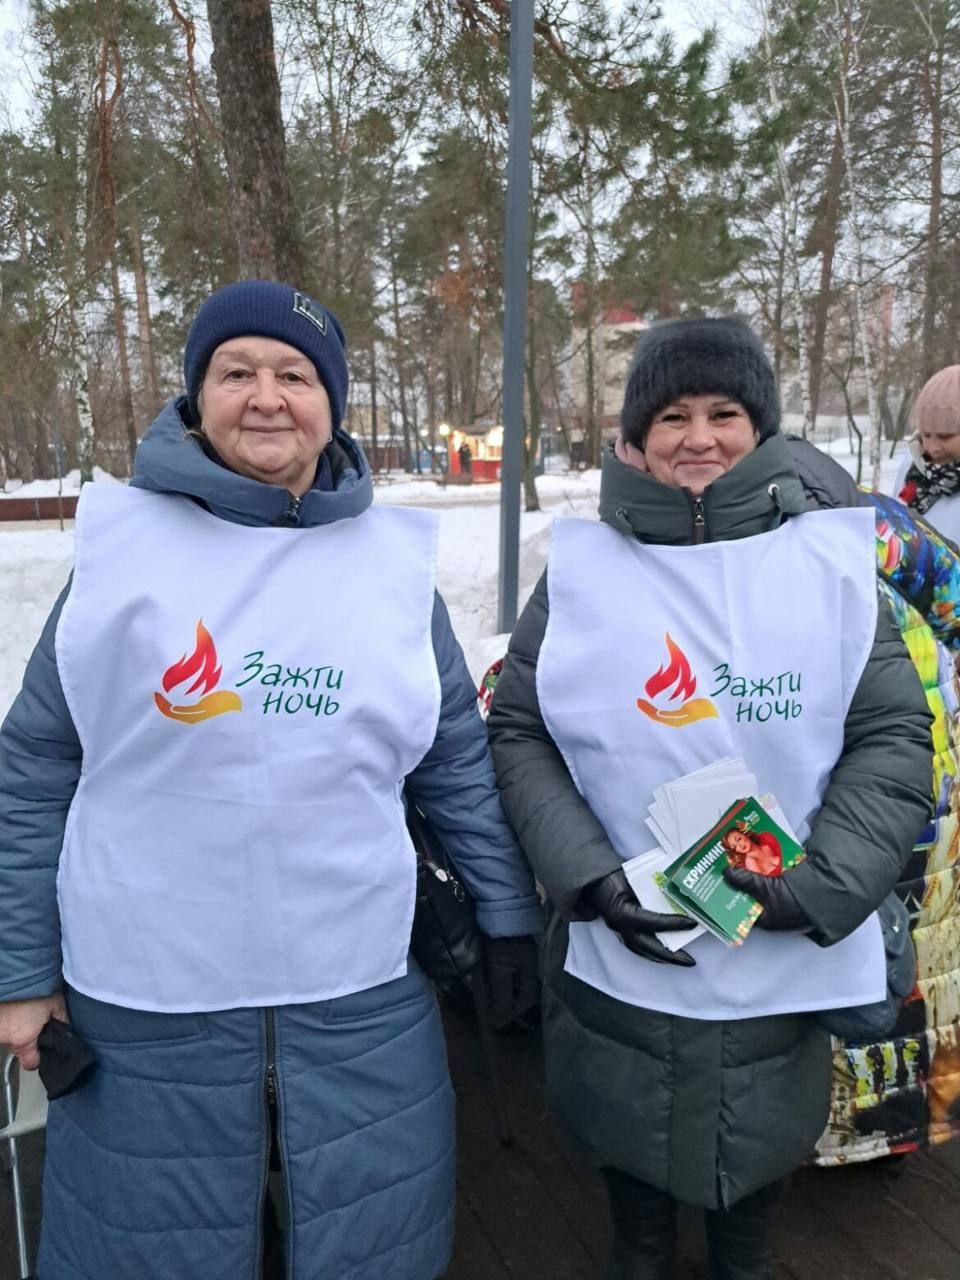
(686, 17)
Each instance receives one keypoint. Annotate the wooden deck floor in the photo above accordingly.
(534, 1211)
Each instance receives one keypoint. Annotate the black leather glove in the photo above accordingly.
(618, 906)
(65, 1059)
(513, 978)
(780, 908)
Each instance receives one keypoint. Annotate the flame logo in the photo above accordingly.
(678, 674)
(200, 667)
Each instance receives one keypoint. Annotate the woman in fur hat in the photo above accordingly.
(713, 583)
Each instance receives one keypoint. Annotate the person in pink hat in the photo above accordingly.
(929, 482)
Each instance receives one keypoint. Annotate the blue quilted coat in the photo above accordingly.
(157, 1168)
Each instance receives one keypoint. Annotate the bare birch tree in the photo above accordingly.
(847, 48)
(790, 214)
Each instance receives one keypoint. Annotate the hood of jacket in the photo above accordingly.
(170, 460)
(754, 496)
(916, 452)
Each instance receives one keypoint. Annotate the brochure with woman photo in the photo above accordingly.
(745, 836)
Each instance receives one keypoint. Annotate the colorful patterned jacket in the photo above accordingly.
(904, 1092)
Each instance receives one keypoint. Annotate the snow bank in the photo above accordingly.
(50, 488)
(34, 566)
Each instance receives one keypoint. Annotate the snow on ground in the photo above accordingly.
(35, 562)
(469, 549)
(33, 567)
(840, 450)
(51, 488)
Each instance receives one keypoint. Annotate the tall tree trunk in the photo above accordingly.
(123, 359)
(883, 381)
(25, 466)
(592, 429)
(415, 429)
(42, 451)
(791, 252)
(932, 80)
(82, 252)
(476, 370)
(448, 389)
(534, 425)
(148, 359)
(830, 225)
(336, 188)
(79, 376)
(848, 59)
(398, 355)
(431, 386)
(253, 140)
(778, 301)
(375, 462)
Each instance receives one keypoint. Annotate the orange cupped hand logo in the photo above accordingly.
(201, 668)
(676, 673)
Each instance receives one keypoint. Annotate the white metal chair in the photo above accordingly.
(25, 1113)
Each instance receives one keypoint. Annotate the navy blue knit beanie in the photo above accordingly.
(265, 309)
(699, 357)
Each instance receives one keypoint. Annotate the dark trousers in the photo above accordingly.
(645, 1225)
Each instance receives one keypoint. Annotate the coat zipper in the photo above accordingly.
(271, 1073)
(291, 517)
(699, 521)
(270, 1108)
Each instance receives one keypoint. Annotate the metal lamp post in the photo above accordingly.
(515, 306)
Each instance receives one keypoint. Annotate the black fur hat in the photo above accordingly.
(696, 357)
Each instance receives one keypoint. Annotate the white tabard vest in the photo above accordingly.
(249, 701)
(660, 660)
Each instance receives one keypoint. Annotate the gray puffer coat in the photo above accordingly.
(709, 1111)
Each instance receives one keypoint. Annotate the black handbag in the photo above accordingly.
(446, 940)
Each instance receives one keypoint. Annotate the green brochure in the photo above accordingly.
(745, 836)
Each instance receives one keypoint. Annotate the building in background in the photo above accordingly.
(612, 336)
(484, 440)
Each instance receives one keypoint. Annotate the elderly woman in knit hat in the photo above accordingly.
(929, 480)
(204, 863)
(713, 612)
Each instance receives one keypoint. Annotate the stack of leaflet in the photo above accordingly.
(688, 817)
(684, 809)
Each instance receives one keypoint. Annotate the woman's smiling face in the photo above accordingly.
(695, 439)
(265, 411)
